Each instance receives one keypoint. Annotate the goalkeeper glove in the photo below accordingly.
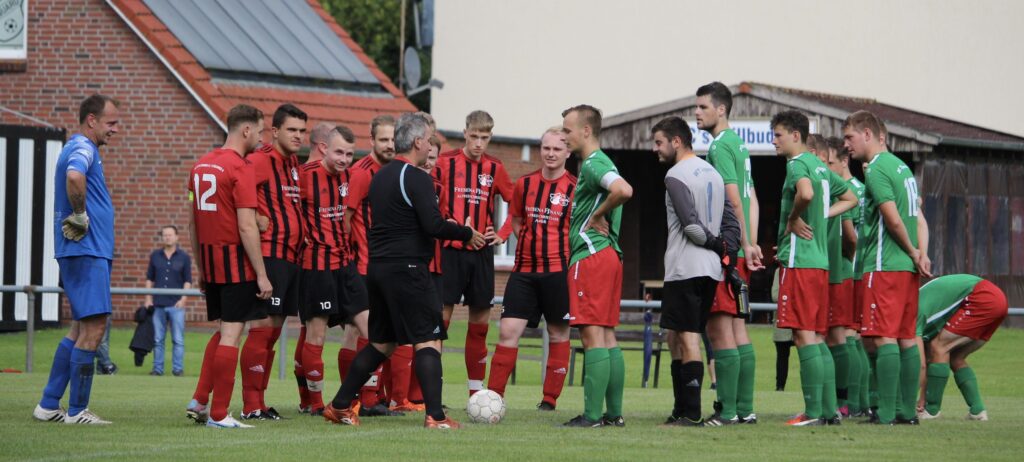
(75, 226)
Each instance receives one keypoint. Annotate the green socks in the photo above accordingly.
(595, 385)
(968, 384)
(828, 384)
(938, 375)
(745, 392)
(872, 387)
(811, 379)
(616, 382)
(888, 371)
(727, 373)
(910, 381)
(854, 379)
(841, 358)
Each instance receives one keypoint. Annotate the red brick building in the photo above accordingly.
(173, 108)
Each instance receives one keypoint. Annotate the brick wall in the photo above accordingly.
(82, 47)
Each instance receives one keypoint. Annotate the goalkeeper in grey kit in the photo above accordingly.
(703, 237)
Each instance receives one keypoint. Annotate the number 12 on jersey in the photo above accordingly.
(204, 204)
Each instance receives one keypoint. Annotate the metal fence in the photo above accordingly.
(31, 291)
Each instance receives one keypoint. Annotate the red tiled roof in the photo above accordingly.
(912, 119)
(220, 96)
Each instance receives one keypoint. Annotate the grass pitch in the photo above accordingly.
(149, 422)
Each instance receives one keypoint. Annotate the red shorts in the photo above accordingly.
(724, 303)
(803, 299)
(858, 296)
(840, 304)
(595, 290)
(981, 313)
(889, 304)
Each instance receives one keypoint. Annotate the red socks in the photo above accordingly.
(254, 356)
(224, 362)
(558, 365)
(312, 360)
(205, 385)
(300, 373)
(368, 393)
(401, 371)
(269, 364)
(345, 357)
(502, 363)
(476, 356)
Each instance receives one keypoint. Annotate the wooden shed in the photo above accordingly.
(970, 178)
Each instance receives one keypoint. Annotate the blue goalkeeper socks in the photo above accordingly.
(60, 373)
(82, 366)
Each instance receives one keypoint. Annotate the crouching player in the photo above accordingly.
(539, 216)
(957, 315)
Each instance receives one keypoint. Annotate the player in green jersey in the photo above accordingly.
(803, 255)
(957, 315)
(894, 259)
(840, 284)
(595, 273)
(727, 327)
(857, 382)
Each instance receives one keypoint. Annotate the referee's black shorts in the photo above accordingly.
(685, 304)
(469, 274)
(530, 295)
(404, 306)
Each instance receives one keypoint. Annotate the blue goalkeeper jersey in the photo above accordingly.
(83, 156)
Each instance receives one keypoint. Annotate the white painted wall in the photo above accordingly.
(526, 60)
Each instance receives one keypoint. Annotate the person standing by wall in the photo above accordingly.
(170, 267)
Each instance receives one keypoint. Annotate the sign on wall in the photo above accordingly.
(756, 133)
(13, 29)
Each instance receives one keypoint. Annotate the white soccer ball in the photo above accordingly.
(485, 406)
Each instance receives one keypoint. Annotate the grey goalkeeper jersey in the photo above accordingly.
(695, 195)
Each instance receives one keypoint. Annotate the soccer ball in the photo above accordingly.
(485, 406)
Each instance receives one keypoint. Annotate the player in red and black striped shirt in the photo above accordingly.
(473, 178)
(357, 219)
(324, 185)
(280, 216)
(539, 215)
(225, 238)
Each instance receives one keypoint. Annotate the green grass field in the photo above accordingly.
(149, 419)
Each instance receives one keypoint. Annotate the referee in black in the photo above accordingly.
(405, 308)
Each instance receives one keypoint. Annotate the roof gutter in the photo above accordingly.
(174, 72)
(983, 144)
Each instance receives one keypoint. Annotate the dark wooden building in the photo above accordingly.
(970, 179)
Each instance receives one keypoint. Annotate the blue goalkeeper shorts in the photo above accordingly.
(86, 282)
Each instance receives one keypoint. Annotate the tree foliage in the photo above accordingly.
(374, 25)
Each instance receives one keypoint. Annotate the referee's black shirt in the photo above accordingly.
(406, 219)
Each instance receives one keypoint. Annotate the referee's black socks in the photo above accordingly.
(362, 368)
(428, 371)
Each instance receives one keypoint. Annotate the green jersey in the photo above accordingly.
(940, 299)
(888, 179)
(728, 154)
(839, 268)
(857, 215)
(797, 252)
(596, 174)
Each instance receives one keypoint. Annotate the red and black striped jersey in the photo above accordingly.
(323, 205)
(358, 200)
(442, 205)
(219, 184)
(544, 206)
(277, 188)
(471, 186)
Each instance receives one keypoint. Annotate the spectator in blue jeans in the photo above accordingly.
(169, 268)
